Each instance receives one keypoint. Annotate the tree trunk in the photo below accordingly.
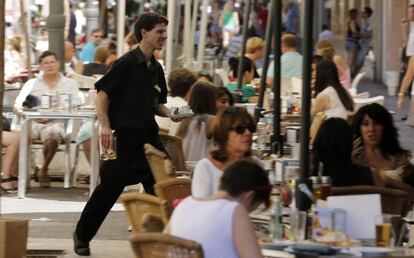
(2, 23)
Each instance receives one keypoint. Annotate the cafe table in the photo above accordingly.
(397, 253)
(26, 117)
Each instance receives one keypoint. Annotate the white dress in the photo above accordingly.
(336, 109)
(195, 143)
(208, 222)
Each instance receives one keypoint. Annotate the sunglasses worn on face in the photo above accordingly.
(241, 128)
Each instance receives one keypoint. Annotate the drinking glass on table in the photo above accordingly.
(298, 225)
(384, 230)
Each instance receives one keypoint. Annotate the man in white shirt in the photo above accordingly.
(179, 83)
(53, 83)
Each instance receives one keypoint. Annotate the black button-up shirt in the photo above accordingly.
(134, 91)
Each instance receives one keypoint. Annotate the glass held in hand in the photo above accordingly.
(108, 153)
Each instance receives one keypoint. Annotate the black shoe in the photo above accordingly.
(404, 118)
(80, 248)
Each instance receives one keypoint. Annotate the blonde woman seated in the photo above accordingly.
(325, 49)
(331, 97)
(232, 131)
(193, 130)
(221, 223)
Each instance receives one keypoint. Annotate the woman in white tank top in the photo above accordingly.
(331, 97)
(220, 223)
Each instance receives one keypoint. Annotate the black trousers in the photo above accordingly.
(130, 167)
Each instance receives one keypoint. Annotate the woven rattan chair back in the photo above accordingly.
(161, 166)
(174, 147)
(173, 189)
(139, 205)
(393, 201)
(159, 245)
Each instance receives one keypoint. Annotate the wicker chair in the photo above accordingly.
(393, 201)
(174, 147)
(161, 166)
(159, 245)
(139, 205)
(172, 189)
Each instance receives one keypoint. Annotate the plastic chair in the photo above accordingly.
(174, 147)
(138, 205)
(223, 75)
(393, 201)
(362, 95)
(358, 103)
(161, 166)
(159, 245)
(173, 189)
(355, 83)
(65, 146)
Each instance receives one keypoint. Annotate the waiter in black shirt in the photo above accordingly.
(129, 96)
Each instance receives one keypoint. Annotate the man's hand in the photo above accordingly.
(106, 137)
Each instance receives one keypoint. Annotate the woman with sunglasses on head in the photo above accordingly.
(221, 223)
(232, 130)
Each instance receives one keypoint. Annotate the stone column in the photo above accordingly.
(335, 20)
(55, 25)
(92, 17)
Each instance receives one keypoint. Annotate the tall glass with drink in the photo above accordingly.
(384, 230)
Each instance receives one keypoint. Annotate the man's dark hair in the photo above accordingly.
(46, 54)
(325, 27)
(368, 11)
(180, 81)
(246, 175)
(147, 21)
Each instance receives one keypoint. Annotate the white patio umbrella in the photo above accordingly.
(203, 35)
(170, 36)
(120, 27)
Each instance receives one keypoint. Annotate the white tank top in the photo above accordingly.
(336, 109)
(209, 223)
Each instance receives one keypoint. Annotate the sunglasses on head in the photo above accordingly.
(241, 128)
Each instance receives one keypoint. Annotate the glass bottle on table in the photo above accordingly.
(261, 132)
(277, 227)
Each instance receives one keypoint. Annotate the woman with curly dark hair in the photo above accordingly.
(334, 153)
(376, 145)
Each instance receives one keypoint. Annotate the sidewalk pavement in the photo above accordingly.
(112, 238)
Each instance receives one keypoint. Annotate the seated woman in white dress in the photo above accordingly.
(193, 130)
(232, 131)
(221, 223)
(331, 97)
